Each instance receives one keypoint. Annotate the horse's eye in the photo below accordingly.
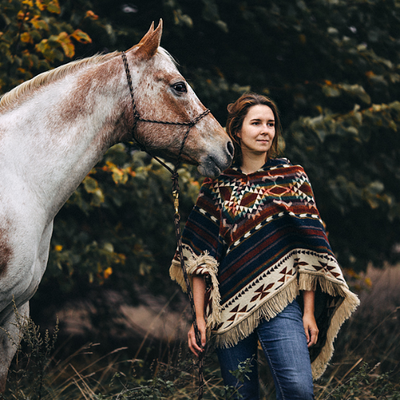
(180, 87)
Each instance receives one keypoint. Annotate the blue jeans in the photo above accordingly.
(284, 343)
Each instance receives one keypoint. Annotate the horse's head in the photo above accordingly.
(162, 94)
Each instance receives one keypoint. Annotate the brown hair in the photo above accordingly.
(237, 111)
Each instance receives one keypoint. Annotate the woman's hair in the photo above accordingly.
(237, 111)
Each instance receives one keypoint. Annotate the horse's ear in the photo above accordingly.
(146, 36)
(151, 40)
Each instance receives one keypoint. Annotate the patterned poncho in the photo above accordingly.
(259, 240)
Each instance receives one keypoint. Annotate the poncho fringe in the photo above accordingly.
(342, 313)
(205, 264)
(202, 265)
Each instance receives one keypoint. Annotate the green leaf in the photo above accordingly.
(66, 44)
(54, 7)
(90, 184)
(331, 91)
(81, 36)
(357, 91)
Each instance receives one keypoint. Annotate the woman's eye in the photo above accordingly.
(180, 87)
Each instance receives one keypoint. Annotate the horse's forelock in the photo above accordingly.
(50, 76)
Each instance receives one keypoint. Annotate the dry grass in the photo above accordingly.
(365, 364)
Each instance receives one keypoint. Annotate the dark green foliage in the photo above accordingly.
(351, 160)
(332, 67)
(38, 35)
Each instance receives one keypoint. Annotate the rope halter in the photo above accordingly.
(175, 193)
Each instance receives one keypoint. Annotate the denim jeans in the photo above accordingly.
(284, 343)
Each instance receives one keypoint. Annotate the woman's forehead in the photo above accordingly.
(260, 111)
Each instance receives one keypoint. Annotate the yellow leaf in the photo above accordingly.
(131, 172)
(90, 14)
(28, 2)
(39, 23)
(42, 46)
(117, 175)
(26, 38)
(66, 44)
(58, 247)
(81, 36)
(121, 258)
(40, 5)
(107, 273)
(20, 15)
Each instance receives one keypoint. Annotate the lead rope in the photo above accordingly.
(177, 218)
(175, 193)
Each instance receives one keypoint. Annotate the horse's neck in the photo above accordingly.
(57, 136)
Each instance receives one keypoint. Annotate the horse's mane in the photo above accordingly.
(50, 76)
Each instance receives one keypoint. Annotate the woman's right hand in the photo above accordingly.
(193, 346)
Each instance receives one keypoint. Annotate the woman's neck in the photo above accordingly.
(252, 164)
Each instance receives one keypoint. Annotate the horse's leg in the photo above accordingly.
(10, 336)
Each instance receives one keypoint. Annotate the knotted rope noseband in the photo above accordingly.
(175, 192)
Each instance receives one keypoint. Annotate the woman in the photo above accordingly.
(260, 263)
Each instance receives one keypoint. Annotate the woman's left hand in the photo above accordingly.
(310, 325)
(311, 329)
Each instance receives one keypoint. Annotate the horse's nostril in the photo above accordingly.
(230, 148)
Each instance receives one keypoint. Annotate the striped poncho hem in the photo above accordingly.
(207, 265)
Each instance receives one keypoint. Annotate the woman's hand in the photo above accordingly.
(311, 329)
(309, 323)
(199, 289)
(193, 346)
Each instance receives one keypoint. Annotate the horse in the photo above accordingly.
(55, 128)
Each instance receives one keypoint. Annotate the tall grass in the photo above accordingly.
(365, 364)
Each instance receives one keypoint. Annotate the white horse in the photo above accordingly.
(53, 130)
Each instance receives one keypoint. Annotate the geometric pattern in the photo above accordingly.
(265, 234)
(240, 197)
(262, 289)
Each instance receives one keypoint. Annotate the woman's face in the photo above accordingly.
(258, 130)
